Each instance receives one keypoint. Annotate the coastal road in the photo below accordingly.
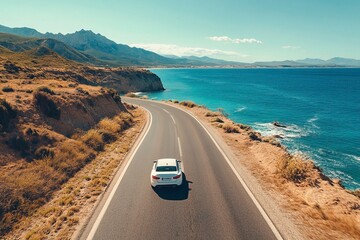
(211, 204)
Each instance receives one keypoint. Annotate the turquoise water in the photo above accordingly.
(320, 107)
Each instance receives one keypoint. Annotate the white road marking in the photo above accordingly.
(180, 151)
(109, 199)
(172, 117)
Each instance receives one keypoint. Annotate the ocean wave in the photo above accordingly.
(240, 109)
(353, 157)
(312, 121)
(288, 132)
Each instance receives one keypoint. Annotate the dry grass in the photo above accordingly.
(109, 125)
(131, 95)
(188, 104)
(230, 128)
(59, 218)
(31, 185)
(212, 114)
(94, 139)
(294, 168)
(71, 156)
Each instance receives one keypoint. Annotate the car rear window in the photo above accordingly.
(166, 169)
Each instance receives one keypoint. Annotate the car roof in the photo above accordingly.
(166, 162)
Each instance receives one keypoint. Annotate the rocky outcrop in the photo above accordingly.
(135, 80)
(121, 79)
(84, 112)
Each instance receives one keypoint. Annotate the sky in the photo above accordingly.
(238, 30)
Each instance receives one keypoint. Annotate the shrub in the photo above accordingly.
(94, 140)
(109, 125)
(45, 90)
(294, 168)
(124, 120)
(254, 136)
(188, 104)
(43, 99)
(131, 95)
(218, 120)
(230, 128)
(7, 89)
(211, 114)
(107, 136)
(73, 85)
(81, 90)
(6, 114)
(44, 152)
(244, 127)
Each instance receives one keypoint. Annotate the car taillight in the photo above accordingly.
(177, 176)
(155, 177)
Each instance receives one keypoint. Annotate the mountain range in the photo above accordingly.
(85, 46)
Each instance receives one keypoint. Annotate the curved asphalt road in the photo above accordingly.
(211, 204)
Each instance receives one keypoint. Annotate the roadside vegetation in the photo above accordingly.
(24, 189)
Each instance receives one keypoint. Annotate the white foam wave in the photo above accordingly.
(288, 132)
(240, 109)
(313, 119)
(354, 157)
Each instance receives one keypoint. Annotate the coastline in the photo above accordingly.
(316, 206)
(259, 97)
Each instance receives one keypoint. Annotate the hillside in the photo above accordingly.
(20, 44)
(99, 47)
(26, 59)
(56, 116)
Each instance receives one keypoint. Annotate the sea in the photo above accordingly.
(320, 108)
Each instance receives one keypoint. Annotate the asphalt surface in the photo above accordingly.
(211, 203)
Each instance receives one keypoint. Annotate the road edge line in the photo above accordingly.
(247, 189)
(94, 228)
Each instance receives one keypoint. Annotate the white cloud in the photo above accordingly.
(290, 47)
(172, 49)
(234, 40)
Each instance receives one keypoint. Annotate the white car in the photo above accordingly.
(166, 171)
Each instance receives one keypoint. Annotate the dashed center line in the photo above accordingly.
(180, 151)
